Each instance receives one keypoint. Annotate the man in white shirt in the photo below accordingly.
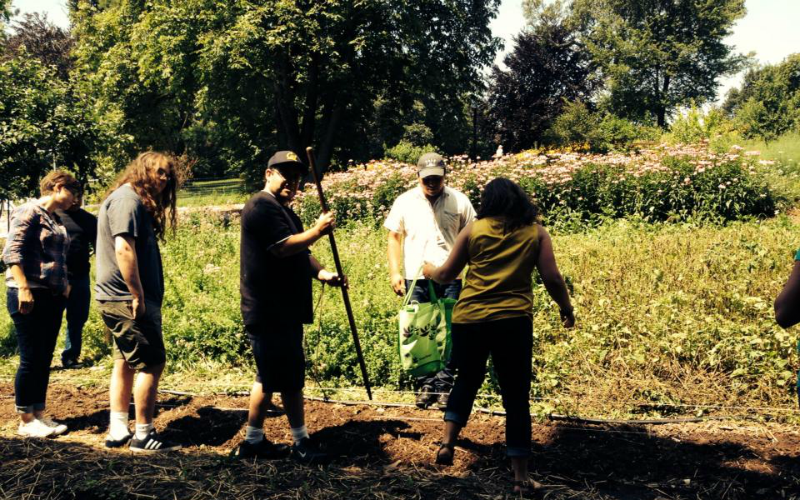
(423, 224)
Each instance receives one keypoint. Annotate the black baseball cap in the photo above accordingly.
(430, 164)
(285, 159)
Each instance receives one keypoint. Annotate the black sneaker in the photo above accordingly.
(307, 451)
(152, 444)
(71, 364)
(426, 397)
(262, 449)
(117, 443)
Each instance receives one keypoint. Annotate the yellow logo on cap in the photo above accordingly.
(293, 157)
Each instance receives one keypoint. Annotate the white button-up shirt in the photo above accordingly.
(429, 230)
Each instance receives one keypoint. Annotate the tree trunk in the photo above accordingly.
(312, 91)
(334, 114)
(284, 98)
(661, 112)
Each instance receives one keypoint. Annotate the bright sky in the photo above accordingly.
(769, 29)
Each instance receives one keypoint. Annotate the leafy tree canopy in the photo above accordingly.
(41, 124)
(768, 102)
(547, 67)
(43, 40)
(235, 80)
(659, 54)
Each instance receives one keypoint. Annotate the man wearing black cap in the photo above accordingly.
(423, 224)
(275, 281)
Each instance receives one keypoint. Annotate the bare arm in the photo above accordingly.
(787, 304)
(455, 262)
(551, 276)
(302, 241)
(125, 251)
(394, 249)
(324, 275)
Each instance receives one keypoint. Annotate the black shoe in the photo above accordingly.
(152, 444)
(71, 364)
(307, 451)
(426, 397)
(117, 443)
(262, 449)
(442, 399)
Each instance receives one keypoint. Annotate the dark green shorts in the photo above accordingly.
(137, 341)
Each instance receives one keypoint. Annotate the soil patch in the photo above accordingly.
(387, 453)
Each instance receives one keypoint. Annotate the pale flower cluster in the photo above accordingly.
(369, 189)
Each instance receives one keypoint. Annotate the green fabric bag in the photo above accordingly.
(424, 333)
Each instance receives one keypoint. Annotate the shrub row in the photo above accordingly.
(665, 183)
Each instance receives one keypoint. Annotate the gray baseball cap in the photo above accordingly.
(430, 164)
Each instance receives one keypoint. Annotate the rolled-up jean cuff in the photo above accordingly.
(451, 416)
(31, 408)
(516, 452)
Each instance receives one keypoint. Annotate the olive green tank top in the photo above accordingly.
(499, 278)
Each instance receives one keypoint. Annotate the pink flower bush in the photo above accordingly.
(662, 183)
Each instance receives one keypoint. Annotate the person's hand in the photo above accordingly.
(427, 270)
(332, 279)
(25, 300)
(567, 317)
(137, 308)
(325, 223)
(398, 284)
(67, 291)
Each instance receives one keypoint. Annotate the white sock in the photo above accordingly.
(254, 434)
(299, 433)
(118, 425)
(142, 430)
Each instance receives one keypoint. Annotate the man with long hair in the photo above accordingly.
(130, 291)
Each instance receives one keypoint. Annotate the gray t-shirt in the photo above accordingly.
(124, 213)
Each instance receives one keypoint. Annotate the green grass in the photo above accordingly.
(667, 314)
(782, 171)
(213, 193)
(785, 149)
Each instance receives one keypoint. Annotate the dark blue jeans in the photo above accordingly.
(443, 380)
(510, 343)
(37, 333)
(77, 313)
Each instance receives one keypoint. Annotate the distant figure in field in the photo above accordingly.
(275, 281)
(82, 229)
(36, 293)
(130, 291)
(494, 314)
(423, 224)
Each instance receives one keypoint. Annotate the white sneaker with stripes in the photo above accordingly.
(58, 429)
(35, 429)
(152, 444)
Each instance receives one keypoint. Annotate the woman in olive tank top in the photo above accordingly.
(494, 313)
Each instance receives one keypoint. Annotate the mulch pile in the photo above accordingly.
(387, 453)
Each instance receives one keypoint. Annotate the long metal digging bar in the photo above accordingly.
(324, 204)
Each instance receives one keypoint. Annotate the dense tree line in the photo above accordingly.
(227, 83)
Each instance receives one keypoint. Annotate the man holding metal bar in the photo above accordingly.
(275, 282)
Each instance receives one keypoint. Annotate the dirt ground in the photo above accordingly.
(386, 453)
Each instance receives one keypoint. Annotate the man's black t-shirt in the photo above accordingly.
(274, 289)
(82, 229)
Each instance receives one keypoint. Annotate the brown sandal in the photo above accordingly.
(444, 456)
